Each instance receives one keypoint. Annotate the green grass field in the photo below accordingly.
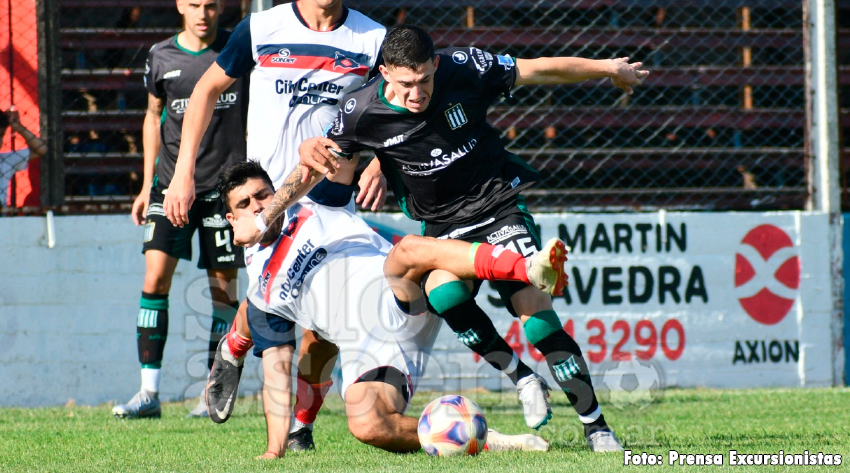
(88, 439)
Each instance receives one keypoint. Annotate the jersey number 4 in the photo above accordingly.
(222, 238)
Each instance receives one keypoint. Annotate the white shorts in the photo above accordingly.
(326, 273)
(350, 304)
(373, 332)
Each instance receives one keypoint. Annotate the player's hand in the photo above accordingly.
(178, 200)
(373, 187)
(628, 75)
(270, 455)
(140, 207)
(245, 232)
(316, 155)
(14, 117)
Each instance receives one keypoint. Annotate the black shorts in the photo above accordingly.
(509, 225)
(269, 330)
(214, 232)
(388, 375)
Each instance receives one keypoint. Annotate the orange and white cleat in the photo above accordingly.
(546, 268)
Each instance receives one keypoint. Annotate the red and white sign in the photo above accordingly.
(767, 274)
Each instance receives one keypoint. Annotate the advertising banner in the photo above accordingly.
(729, 300)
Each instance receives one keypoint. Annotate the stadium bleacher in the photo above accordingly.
(725, 94)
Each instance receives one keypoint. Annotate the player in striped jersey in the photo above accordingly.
(302, 58)
(325, 269)
(426, 120)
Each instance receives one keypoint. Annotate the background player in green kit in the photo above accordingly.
(173, 68)
(426, 120)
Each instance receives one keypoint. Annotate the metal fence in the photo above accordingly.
(19, 86)
(720, 123)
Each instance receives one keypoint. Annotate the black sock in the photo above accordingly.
(476, 330)
(222, 318)
(596, 426)
(152, 329)
(218, 329)
(570, 371)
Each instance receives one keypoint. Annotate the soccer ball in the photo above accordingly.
(452, 425)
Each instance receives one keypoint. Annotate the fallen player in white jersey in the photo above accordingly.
(325, 269)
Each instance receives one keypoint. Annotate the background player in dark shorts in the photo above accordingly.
(173, 68)
(426, 120)
(217, 251)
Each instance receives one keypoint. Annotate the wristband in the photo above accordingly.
(340, 154)
(261, 225)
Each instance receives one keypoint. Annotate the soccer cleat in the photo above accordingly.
(545, 268)
(533, 392)
(498, 442)
(143, 405)
(603, 441)
(301, 440)
(223, 383)
(200, 410)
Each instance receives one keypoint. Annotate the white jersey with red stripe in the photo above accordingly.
(299, 77)
(325, 273)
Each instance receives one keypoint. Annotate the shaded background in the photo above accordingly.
(720, 124)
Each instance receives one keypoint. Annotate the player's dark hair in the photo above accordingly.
(4, 121)
(238, 175)
(407, 46)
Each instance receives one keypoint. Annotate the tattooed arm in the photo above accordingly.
(247, 232)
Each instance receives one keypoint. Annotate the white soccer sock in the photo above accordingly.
(150, 379)
(512, 366)
(591, 418)
(298, 425)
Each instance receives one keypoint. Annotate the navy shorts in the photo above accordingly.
(269, 330)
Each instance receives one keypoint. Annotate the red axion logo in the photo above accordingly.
(767, 274)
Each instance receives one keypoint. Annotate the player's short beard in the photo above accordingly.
(273, 232)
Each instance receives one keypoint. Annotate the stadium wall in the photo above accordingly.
(735, 300)
(68, 315)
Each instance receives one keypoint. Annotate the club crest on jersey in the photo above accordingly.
(349, 106)
(459, 57)
(341, 60)
(283, 57)
(456, 116)
(292, 224)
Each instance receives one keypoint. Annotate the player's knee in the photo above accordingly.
(404, 253)
(156, 283)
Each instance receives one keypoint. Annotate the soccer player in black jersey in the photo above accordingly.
(426, 120)
(173, 68)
